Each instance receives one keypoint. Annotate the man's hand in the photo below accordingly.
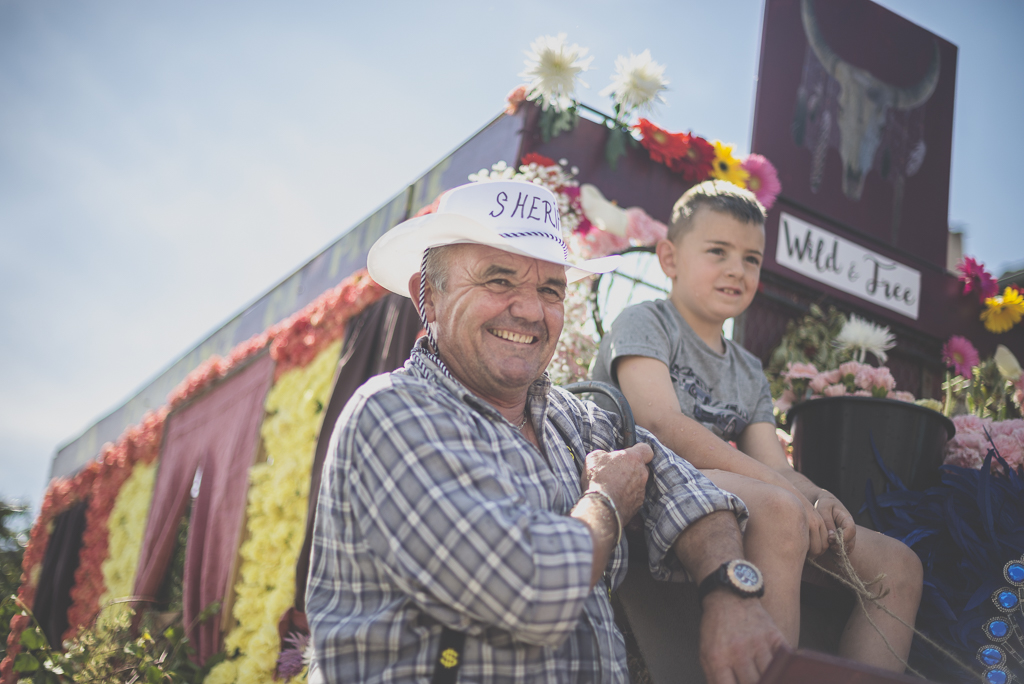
(737, 639)
(834, 514)
(620, 474)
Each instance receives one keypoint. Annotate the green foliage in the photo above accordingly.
(618, 138)
(13, 539)
(553, 123)
(986, 394)
(808, 340)
(112, 650)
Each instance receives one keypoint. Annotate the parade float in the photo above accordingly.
(176, 531)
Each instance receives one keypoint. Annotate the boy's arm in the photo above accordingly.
(760, 442)
(647, 386)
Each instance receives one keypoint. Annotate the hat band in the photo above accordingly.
(540, 233)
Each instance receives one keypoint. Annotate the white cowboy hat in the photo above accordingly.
(514, 216)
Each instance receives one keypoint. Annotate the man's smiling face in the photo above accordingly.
(498, 320)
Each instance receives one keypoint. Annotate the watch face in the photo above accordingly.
(745, 575)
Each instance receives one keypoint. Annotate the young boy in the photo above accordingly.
(696, 390)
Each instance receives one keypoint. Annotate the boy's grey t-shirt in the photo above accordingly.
(724, 392)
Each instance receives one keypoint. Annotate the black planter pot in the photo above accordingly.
(832, 445)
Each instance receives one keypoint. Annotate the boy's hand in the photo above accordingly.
(817, 529)
(834, 514)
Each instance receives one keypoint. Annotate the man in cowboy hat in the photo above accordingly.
(470, 515)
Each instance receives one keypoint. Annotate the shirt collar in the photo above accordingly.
(428, 366)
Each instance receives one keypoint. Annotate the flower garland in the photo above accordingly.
(696, 160)
(140, 444)
(127, 525)
(294, 342)
(276, 512)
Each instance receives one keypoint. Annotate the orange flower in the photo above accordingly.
(664, 147)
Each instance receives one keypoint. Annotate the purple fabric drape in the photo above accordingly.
(53, 594)
(219, 434)
(376, 341)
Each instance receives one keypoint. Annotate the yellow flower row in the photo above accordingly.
(127, 525)
(276, 517)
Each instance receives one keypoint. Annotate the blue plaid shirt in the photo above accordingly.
(435, 511)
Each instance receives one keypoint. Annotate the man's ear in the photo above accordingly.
(428, 296)
(666, 251)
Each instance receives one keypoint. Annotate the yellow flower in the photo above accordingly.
(276, 517)
(727, 167)
(1004, 311)
(127, 525)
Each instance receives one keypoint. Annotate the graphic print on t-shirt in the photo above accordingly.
(727, 421)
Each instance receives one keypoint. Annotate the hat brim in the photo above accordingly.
(397, 254)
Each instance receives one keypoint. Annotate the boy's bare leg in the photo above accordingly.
(775, 540)
(873, 554)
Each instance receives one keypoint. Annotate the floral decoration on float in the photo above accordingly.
(276, 519)
(553, 67)
(294, 343)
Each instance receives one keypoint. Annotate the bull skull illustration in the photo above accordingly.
(864, 103)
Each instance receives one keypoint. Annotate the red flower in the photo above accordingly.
(538, 159)
(695, 165)
(664, 147)
(975, 278)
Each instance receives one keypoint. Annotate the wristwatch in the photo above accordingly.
(741, 576)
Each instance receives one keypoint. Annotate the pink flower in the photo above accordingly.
(642, 228)
(832, 376)
(959, 354)
(515, 98)
(837, 390)
(967, 449)
(883, 379)
(865, 378)
(819, 383)
(966, 424)
(785, 402)
(801, 370)
(596, 243)
(763, 180)
(863, 393)
(1010, 449)
(1005, 427)
(849, 368)
(900, 395)
(976, 279)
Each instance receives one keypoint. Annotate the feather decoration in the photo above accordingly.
(964, 530)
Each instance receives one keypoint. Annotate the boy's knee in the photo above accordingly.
(783, 514)
(900, 564)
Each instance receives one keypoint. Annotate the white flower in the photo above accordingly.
(551, 70)
(1007, 364)
(601, 212)
(637, 82)
(863, 336)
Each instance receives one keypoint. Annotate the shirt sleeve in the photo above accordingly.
(679, 496)
(638, 331)
(443, 517)
(764, 410)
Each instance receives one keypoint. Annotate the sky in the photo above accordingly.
(164, 164)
